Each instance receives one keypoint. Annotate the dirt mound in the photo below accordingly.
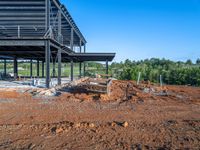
(121, 91)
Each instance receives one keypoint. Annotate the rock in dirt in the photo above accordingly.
(50, 93)
(56, 130)
(125, 124)
(59, 130)
(91, 125)
(113, 124)
(53, 129)
(78, 125)
(84, 124)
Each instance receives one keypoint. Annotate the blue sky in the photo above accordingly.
(140, 29)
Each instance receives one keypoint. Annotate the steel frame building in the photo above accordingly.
(42, 30)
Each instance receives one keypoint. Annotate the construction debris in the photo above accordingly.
(101, 89)
(82, 85)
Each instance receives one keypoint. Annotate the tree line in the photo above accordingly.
(178, 73)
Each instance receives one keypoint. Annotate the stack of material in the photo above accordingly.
(97, 85)
(83, 85)
(90, 85)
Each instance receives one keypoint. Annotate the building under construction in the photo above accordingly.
(43, 31)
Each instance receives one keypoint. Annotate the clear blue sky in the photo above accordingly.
(140, 29)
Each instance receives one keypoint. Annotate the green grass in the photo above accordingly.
(24, 69)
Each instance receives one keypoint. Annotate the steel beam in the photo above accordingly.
(59, 26)
(72, 39)
(21, 42)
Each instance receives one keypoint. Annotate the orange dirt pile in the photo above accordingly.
(129, 117)
(9, 94)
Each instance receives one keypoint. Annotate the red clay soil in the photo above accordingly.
(130, 117)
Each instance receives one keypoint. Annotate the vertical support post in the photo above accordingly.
(59, 50)
(54, 68)
(106, 67)
(15, 68)
(84, 65)
(72, 39)
(59, 66)
(31, 68)
(47, 43)
(42, 69)
(72, 70)
(38, 68)
(161, 82)
(72, 48)
(47, 59)
(138, 80)
(80, 64)
(80, 69)
(5, 66)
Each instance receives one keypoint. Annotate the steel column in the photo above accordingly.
(38, 68)
(72, 48)
(72, 70)
(106, 67)
(54, 68)
(59, 50)
(15, 68)
(80, 64)
(84, 65)
(84, 48)
(42, 69)
(47, 43)
(80, 69)
(31, 68)
(59, 66)
(5, 65)
(47, 59)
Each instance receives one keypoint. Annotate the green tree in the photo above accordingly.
(189, 62)
(198, 61)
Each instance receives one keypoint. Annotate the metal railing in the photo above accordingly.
(30, 31)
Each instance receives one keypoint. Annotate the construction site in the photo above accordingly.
(55, 105)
